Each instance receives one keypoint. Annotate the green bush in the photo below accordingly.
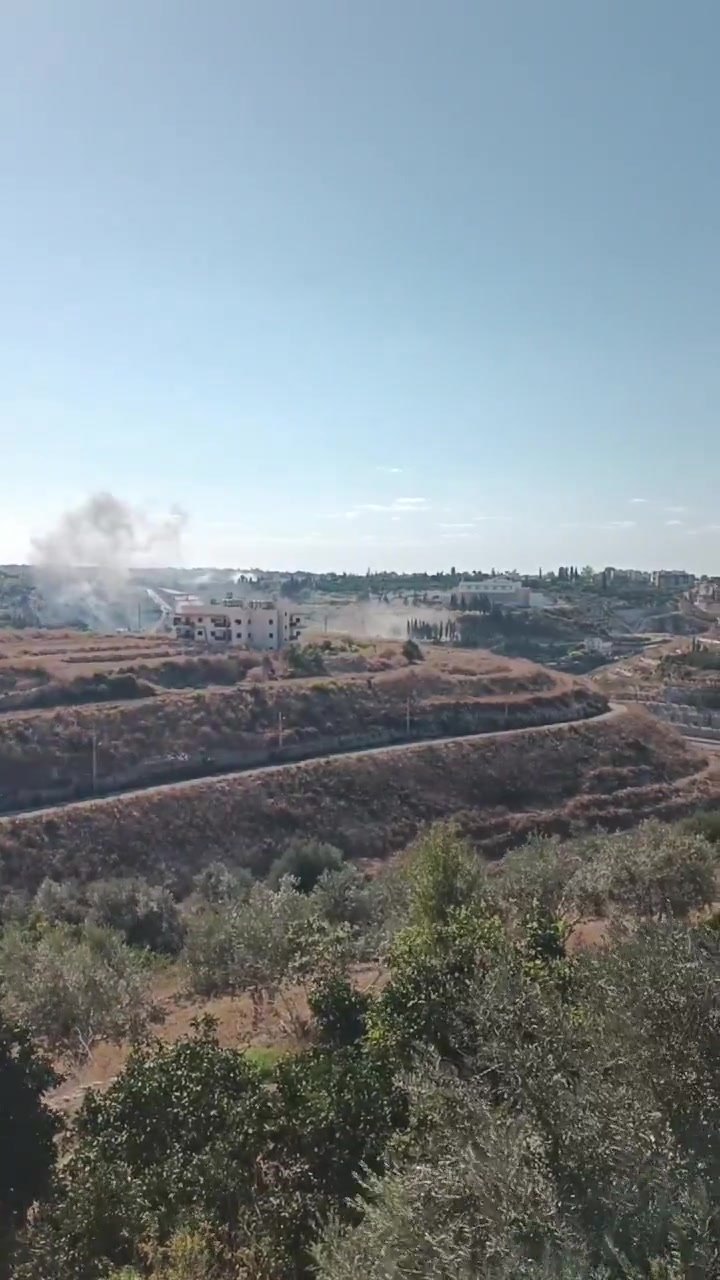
(146, 916)
(339, 1010)
(306, 861)
(28, 1127)
(74, 986)
(704, 824)
(191, 1134)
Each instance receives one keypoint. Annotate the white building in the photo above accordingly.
(508, 592)
(597, 644)
(672, 579)
(246, 624)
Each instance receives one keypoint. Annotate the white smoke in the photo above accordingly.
(85, 566)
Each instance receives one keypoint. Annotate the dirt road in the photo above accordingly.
(419, 744)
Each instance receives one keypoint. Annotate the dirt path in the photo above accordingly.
(614, 713)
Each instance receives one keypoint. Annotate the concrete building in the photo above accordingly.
(673, 579)
(597, 644)
(508, 592)
(246, 624)
(610, 574)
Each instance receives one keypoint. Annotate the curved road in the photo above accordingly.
(615, 711)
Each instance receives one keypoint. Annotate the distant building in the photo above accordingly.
(508, 592)
(597, 644)
(673, 579)
(246, 624)
(708, 591)
(610, 574)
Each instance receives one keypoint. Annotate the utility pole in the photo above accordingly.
(94, 760)
(407, 716)
(280, 729)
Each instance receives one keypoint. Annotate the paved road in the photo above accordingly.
(703, 744)
(613, 713)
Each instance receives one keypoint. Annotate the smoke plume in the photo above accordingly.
(84, 566)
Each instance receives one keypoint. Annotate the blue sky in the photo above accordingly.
(399, 283)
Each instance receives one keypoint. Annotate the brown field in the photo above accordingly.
(612, 771)
(48, 754)
(238, 1025)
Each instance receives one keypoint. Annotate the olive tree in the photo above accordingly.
(74, 987)
(261, 945)
(27, 1126)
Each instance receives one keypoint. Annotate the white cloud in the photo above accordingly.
(402, 505)
(479, 519)
(637, 500)
(669, 523)
(676, 510)
(466, 525)
(390, 471)
(619, 524)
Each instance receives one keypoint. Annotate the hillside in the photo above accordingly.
(612, 770)
(48, 755)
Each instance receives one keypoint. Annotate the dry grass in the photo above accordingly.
(48, 753)
(499, 789)
(238, 1026)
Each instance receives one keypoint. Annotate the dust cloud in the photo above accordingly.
(84, 567)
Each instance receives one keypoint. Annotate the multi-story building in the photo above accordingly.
(610, 574)
(501, 590)
(673, 579)
(247, 624)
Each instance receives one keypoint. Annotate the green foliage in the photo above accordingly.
(372, 908)
(190, 1137)
(306, 861)
(305, 660)
(339, 1010)
(704, 824)
(146, 916)
(501, 1111)
(217, 883)
(580, 1136)
(444, 873)
(27, 1126)
(651, 873)
(74, 986)
(427, 1003)
(60, 902)
(411, 651)
(249, 946)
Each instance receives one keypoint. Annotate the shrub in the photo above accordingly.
(653, 872)
(704, 824)
(339, 1010)
(191, 1151)
(305, 861)
(74, 987)
(411, 651)
(217, 883)
(146, 916)
(61, 902)
(27, 1126)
